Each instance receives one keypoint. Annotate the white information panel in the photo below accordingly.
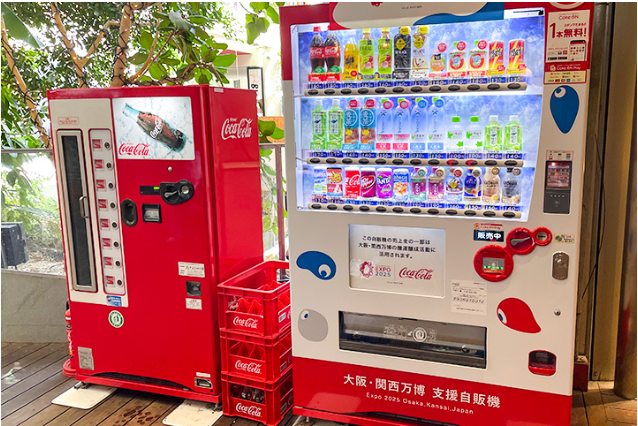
(397, 259)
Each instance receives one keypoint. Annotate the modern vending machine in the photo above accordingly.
(434, 178)
(160, 201)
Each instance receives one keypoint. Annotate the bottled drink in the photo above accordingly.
(320, 185)
(512, 186)
(351, 123)
(353, 182)
(474, 136)
(418, 184)
(368, 125)
(366, 51)
(472, 186)
(334, 182)
(454, 186)
(385, 125)
(420, 55)
(457, 64)
(477, 64)
(455, 135)
(516, 63)
(317, 61)
(419, 126)
(351, 59)
(493, 135)
(492, 186)
(318, 115)
(402, 125)
(247, 393)
(436, 185)
(513, 140)
(495, 64)
(437, 128)
(332, 54)
(335, 126)
(157, 128)
(384, 47)
(368, 182)
(438, 61)
(400, 181)
(402, 54)
(384, 183)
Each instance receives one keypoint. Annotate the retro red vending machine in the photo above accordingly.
(435, 161)
(160, 200)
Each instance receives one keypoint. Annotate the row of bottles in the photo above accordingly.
(409, 55)
(402, 184)
(384, 126)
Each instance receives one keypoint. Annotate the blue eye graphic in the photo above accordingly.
(320, 264)
(564, 105)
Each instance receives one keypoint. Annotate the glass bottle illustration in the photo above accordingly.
(157, 128)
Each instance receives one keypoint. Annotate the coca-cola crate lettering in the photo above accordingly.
(256, 358)
(256, 301)
(262, 402)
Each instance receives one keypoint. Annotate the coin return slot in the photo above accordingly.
(151, 213)
(542, 363)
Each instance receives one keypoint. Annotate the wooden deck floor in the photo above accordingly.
(32, 377)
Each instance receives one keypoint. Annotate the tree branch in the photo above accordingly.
(35, 118)
(97, 41)
(119, 63)
(149, 61)
(77, 63)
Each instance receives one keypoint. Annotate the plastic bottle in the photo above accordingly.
(455, 135)
(418, 184)
(454, 186)
(332, 54)
(366, 51)
(317, 61)
(474, 136)
(319, 140)
(513, 138)
(491, 186)
(402, 126)
(457, 63)
(351, 59)
(493, 135)
(351, 120)
(420, 56)
(402, 53)
(384, 59)
(472, 186)
(438, 61)
(436, 185)
(512, 186)
(436, 117)
(368, 125)
(335, 126)
(385, 125)
(419, 125)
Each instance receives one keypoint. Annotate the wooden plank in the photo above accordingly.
(75, 416)
(131, 409)
(579, 414)
(594, 407)
(11, 347)
(5, 344)
(31, 388)
(16, 356)
(162, 416)
(34, 356)
(225, 421)
(150, 414)
(34, 406)
(46, 415)
(57, 357)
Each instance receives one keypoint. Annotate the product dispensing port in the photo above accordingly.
(203, 383)
(542, 363)
(129, 213)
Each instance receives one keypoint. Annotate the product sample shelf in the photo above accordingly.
(417, 162)
(418, 89)
(431, 211)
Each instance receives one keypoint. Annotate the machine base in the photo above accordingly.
(194, 413)
(147, 387)
(84, 396)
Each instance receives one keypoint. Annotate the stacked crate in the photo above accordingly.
(256, 349)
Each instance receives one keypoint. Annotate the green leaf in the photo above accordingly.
(201, 34)
(280, 3)
(252, 32)
(203, 79)
(17, 29)
(272, 14)
(170, 61)
(218, 46)
(160, 15)
(138, 58)
(263, 24)
(198, 19)
(258, 6)
(179, 22)
(265, 152)
(266, 127)
(269, 170)
(225, 60)
(278, 134)
(266, 223)
(146, 40)
(156, 72)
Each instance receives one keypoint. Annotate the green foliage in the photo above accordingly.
(18, 29)
(259, 17)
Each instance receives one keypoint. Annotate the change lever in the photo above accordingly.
(176, 192)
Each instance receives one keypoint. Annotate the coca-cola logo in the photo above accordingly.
(416, 274)
(367, 181)
(134, 149)
(316, 52)
(331, 52)
(353, 180)
(249, 367)
(245, 322)
(159, 126)
(234, 128)
(250, 410)
(68, 121)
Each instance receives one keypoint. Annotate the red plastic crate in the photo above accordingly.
(262, 402)
(254, 301)
(256, 358)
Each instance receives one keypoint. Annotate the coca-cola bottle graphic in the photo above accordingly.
(332, 54)
(316, 53)
(157, 128)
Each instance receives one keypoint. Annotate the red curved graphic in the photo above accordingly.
(515, 314)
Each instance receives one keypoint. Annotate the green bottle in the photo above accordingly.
(335, 126)
(384, 58)
(513, 140)
(493, 135)
(366, 52)
(318, 127)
